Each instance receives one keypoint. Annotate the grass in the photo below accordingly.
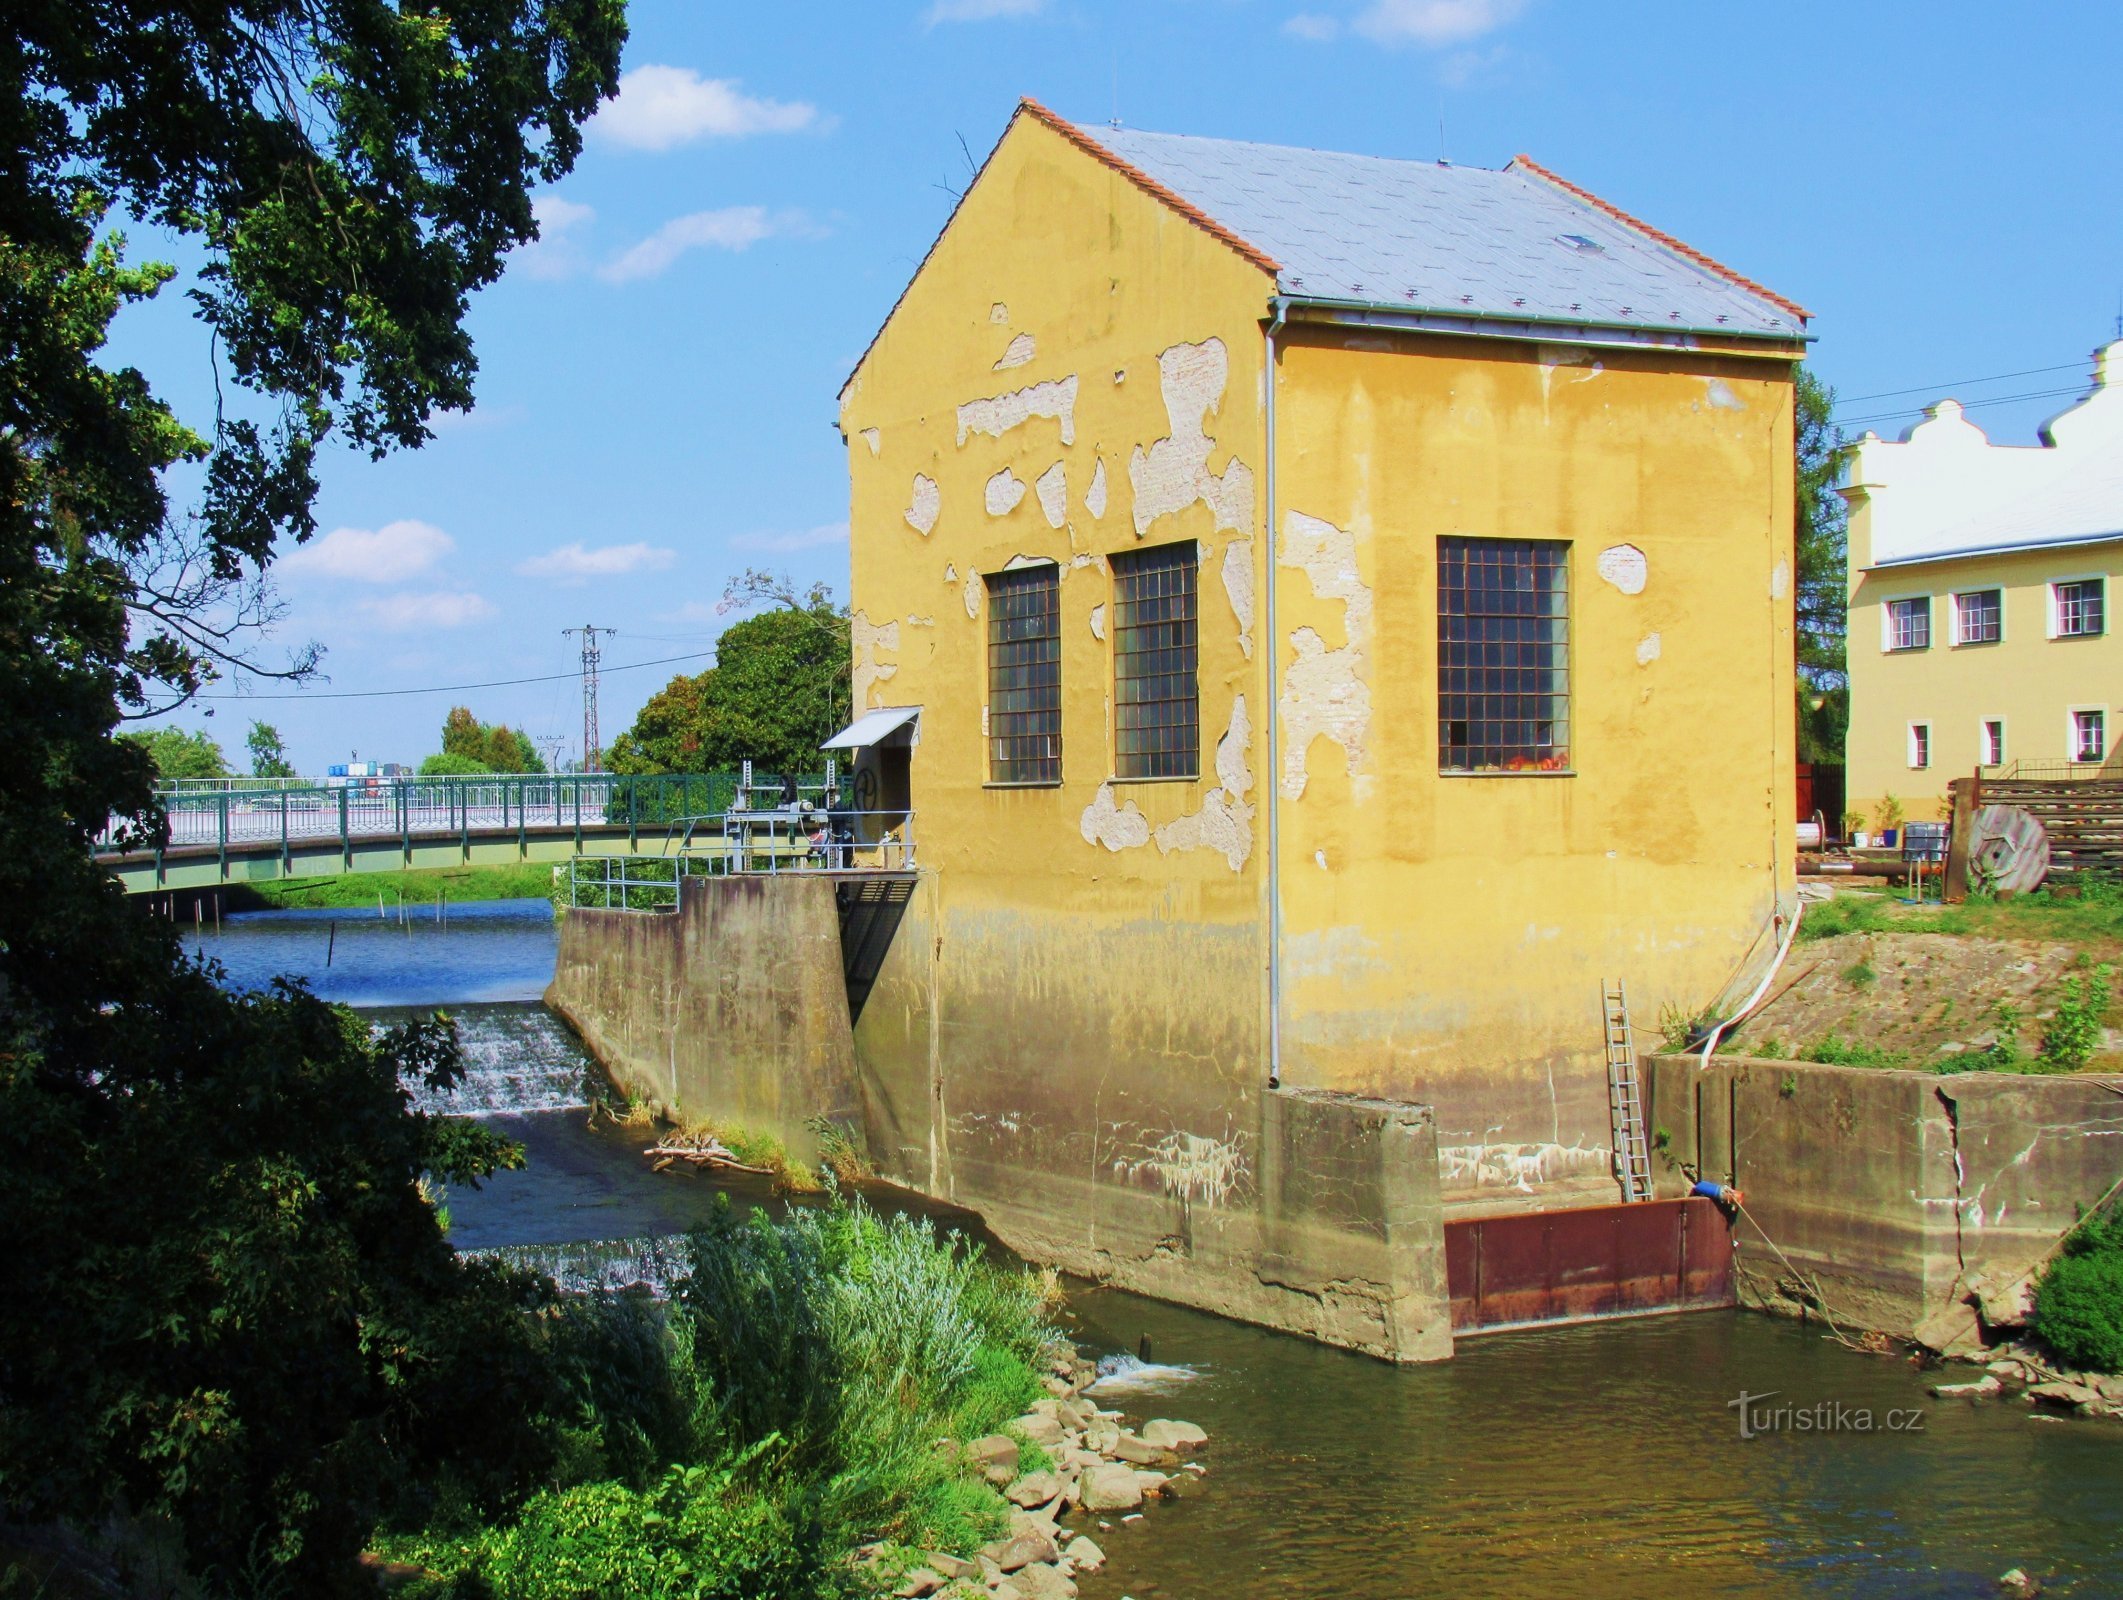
(2089, 916)
(419, 888)
(782, 1410)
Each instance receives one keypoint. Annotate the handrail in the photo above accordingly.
(746, 844)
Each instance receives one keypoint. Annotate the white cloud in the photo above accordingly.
(659, 107)
(1434, 22)
(389, 554)
(731, 228)
(403, 613)
(783, 543)
(981, 10)
(575, 562)
(557, 251)
(1311, 25)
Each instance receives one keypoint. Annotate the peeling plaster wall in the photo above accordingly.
(1463, 924)
(869, 670)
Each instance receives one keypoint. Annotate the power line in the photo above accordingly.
(592, 656)
(1965, 405)
(1934, 388)
(454, 688)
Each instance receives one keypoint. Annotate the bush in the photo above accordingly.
(2074, 1031)
(2079, 1302)
(1834, 1051)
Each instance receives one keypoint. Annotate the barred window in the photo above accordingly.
(1979, 616)
(1909, 624)
(1156, 651)
(1503, 655)
(1024, 675)
(2079, 608)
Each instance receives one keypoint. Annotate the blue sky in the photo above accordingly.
(656, 402)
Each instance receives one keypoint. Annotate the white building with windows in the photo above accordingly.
(1980, 579)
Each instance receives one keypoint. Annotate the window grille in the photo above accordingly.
(1920, 744)
(1979, 616)
(1156, 657)
(1024, 675)
(1909, 624)
(1503, 655)
(2089, 735)
(2079, 608)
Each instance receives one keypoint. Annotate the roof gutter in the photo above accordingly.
(1976, 552)
(1544, 330)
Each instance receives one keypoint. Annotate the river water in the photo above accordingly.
(1603, 1461)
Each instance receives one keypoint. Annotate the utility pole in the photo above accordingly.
(592, 653)
(553, 744)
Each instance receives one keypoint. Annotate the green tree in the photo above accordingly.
(778, 690)
(268, 752)
(177, 754)
(494, 747)
(449, 766)
(1822, 554)
(232, 1329)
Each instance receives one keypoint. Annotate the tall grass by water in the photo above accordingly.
(782, 1408)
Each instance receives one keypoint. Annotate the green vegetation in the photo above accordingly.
(778, 690)
(2088, 915)
(418, 888)
(177, 754)
(233, 1334)
(1860, 974)
(471, 748)
(1680, 1027)
(268, 752)
(1821, 546)
(2079, 1302)
(783, 1409)
(1833, 1051)
(2074, 1031)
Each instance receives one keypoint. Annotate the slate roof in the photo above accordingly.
(1456, 241)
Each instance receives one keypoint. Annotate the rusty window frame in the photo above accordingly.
(1503, 655)
(1157, 662)
(1024, 676)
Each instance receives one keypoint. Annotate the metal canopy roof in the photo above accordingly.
(872, 728)
(1519, 244)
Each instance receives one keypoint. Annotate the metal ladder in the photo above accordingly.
(1632, 1158)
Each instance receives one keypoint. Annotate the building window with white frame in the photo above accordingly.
(2081, 608)
(1993, 742)
(1909, 624)
(2089, 735)
(1919, 745)
(1979, 616)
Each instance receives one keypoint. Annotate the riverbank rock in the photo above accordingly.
(2072, 1396)
(1044, 1583)
(996, 1457)
(1166, 1435)
(918, 1583)
(1084, 1555)
(1021, 1549)
(1034, 1489)
(1110, 1487)
(1139, 1452)
(1982, 1389)
(2017, 1583)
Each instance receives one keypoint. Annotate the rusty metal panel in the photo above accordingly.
(1601, 1261)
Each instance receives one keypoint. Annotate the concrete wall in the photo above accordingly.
(1898, 1194)
(734, 1008)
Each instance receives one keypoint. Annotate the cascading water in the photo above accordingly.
(584, 1265)
(518, 1059)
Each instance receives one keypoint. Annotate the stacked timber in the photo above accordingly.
(2083, 818)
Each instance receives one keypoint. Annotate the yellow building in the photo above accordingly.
(1329, 614)
(1979, 584)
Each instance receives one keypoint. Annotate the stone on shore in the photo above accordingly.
(1075, 1413)
(1041, 1430)
(1168, 1435)
(1110, 1487)
(1084, 1555)
(1152, 1484)
(1981, 1389)
(921, 1581)
(995, 1456)
(2017, 1582)
(949, 1565)
(1033, 1489)
(1021, 1550)
(1043, 1582)
(1139, 1452)
(2078, 1396)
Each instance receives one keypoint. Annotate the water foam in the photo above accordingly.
(517, 1059)
(1124, 1374)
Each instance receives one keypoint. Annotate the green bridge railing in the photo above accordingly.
(245, 813)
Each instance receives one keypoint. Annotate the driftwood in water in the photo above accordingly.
(707, 1151)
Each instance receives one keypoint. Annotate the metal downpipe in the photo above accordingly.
(1270, 646)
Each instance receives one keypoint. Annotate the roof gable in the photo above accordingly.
(1519, 244)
